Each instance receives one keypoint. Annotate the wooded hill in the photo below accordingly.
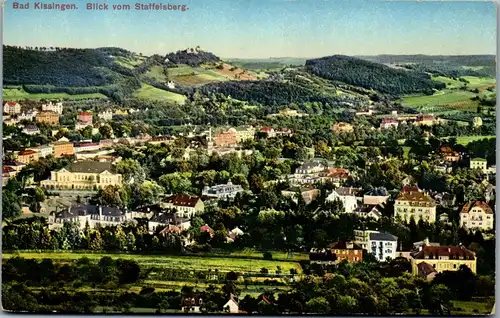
(371, 75)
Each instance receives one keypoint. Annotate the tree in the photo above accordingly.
(11, 207)
(106, 131)
(110, 196)
(318, 305)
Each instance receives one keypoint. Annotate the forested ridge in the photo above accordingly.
(371, 75)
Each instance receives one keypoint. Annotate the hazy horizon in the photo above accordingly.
(265, 29)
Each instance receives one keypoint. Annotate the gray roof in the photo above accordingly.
(378, 192)
(382, 237)
(89, 166)
(82, 210)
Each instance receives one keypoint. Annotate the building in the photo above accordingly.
(191, 304)
(86, 146)
(14, 164)
(342, 128)
(105, 115)
(84, 118)
(231, 306)
(185, 205)
(283, 132)
(57, 107)
(308, 193)
(165, 218)
(93, 215)
(477, 215)
(412, 202)
(27, 156)
(426, 271)
(311, 167)
(226, 138)
(245, 133)
(220, 191)
(479, 163)
(7, 173)
(85, 175)
(361, 237)
(269, 131)
(347, 250)
(444, 258)
(29, 115)
(382, 245)
(31, 130)
(368, 211)
(63, 148)
(389, 123)
(48, 117)
(425, 120)
(45, 151)
(11, 108)
(449, 154)
(376, 196)
(477, 122)
(171, 84)
(350, 198)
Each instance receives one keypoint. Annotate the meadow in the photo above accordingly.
(149, 92)
(464, 140)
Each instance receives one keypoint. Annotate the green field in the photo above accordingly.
(177, 262)
(450, 82)
(20, 94)
(156, 73)
(448, 99)
(471, 307)
(480, 82)
(128, 62)
(150, 92)
(464, 140)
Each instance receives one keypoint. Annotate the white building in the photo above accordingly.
(311, 167)
(45, 151)
(105, 115)
(171, 84)
(368, 211)
(29, 115)
(94, 215)
(479, 163)
(87, 146)
(350, 198)
(476, 215)
(185, 205)
(382, 245)
(231, 306)
(220, 191)
(31, 130)
(11, 108)
(57, 107)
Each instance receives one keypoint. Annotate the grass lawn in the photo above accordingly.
(156, 73)
(464, 140)
(468, 307)
(20, 94)
(150, 92)
(450, 82)
(224, 264)
(454, 100)
(480, 82)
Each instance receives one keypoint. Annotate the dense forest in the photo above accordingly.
(443, 69)
(191, 59)
(371, 75)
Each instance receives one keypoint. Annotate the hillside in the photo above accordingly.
(193, 57)
(371, 75)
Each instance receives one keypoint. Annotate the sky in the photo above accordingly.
(264, 28)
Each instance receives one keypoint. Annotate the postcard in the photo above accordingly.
(249, 157)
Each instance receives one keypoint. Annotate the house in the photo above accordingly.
(425, 120)
(382, 245)
(269, 131)
(368, 211)
(84, 118)
(27, 156)
(57, 107)
(376, 196)
(11, 108)
(63, 148)
(191, 304)
(337, 176)
(443, 199)
(7, 173)
(444, 258)
(283, 132)
(479, 163)
(93, 215)
(165, 218)
(48, 117)
(389, 123)
(245, 133)
(85, 175)
(413, 202)
(207, 229)
(234, 233)
(86, 146)
(185, 205)
(347, 250)
(311, 167)
(449, 154)
(477, 215)
(361, 237)
(171, 84)
(350, 198)
(444, 218)
(220, 191)
(14, 164)
(477, 122)
(426, 271)
(231, 306)
(322, 256)
(226, 138)
(31, 130)
(105, 115)
(418, 245)
(342, 128)
(308, 193)
(29, 115)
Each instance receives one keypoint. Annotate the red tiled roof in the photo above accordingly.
(486, 208)
(182, 200)
(410, 189)
(342, 245)
(206, 228)
(12, 103)
(171, 229)
(266, 129)
(85, 114)
(7, 169)
(26, 152)
(453, 252)
(389, 121)
(425, 269)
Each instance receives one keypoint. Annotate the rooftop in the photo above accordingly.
(345, 245)
(89, 166)
(383, 237)
(453, 252)
(483, 205)
(344, 191)
(182, 200)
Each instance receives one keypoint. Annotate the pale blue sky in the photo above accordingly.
(266, 28)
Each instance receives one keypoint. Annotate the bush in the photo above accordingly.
(264, 270)
(268, 256)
